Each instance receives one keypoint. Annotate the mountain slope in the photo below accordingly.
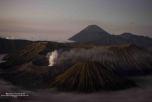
(11, 45)
(88, 77)
(30, 52)
(90, 33)
(124, 59)
(137, 40)
(96, 35)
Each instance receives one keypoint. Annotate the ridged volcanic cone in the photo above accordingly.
(88, 77)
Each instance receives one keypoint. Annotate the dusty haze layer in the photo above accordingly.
(59, 20)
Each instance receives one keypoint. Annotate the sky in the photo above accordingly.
(61, 19)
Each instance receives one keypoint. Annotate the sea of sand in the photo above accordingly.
(142, 93)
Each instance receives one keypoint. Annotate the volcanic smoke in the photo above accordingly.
(53, 57)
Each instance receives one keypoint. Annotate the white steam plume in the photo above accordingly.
(53, 58)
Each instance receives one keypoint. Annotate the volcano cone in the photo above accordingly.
(88, 77)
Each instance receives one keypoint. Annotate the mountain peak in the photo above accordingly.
(90, 33)
(93, 27)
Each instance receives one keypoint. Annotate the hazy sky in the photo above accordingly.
(60, 19)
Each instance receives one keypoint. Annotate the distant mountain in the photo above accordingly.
(95, 34)
(90, 33)
(137, 40)
(11, 45)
